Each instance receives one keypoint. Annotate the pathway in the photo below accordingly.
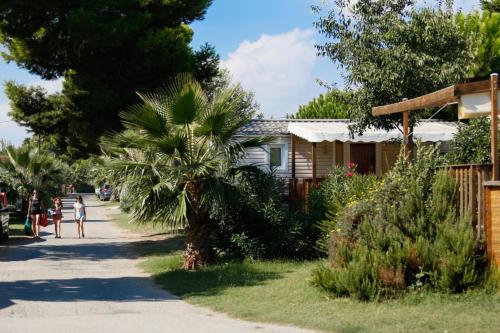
(93, 285)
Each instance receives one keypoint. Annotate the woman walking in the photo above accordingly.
(35, 209)
(57, 216)
(80, 215)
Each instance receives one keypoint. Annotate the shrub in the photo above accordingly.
(404, 234)
(258, 224)
(342, 187)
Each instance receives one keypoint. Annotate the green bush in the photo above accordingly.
(257, 222)
(404, 234)
(342, 187)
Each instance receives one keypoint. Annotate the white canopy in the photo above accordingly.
(318, 131)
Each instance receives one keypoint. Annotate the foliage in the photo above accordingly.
(472, 143)
(26, 168)
(332, 105)
(404, 235)
(342, 187)
(393, 49)
(106, 51)
(178, 155)
(491, 5)
(256, 223)
(49, 117)
(485, 30)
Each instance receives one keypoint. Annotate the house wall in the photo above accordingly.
(389, 153)
(327, 153)
(259, 156)
(303, 158)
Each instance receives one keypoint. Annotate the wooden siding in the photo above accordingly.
(303, 158)
(258, 156)
(339, 153)
(390, 153)
(492, 192)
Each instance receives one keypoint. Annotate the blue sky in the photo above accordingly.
(268, 46)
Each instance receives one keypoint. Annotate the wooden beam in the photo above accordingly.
(406, 124)
(472, 88)
(437, 98)
(314, 174)
(293, 155)
(494, 125)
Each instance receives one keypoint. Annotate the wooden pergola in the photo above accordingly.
(446, 96)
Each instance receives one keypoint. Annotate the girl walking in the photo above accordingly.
(80, 215)
(57, 216)
(35, 209)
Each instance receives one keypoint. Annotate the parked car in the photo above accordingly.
(105, 193)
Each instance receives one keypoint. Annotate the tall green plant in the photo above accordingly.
(26, 168)
(179, 154)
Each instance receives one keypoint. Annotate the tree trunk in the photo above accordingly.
(198, 251)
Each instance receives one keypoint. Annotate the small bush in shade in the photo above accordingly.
(257, 222)
(404, 234)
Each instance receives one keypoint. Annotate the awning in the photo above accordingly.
(317, 131)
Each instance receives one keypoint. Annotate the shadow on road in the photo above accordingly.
(122, 289)
(92, 252)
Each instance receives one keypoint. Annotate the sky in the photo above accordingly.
(267, 45)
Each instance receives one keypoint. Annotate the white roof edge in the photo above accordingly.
(318, 132)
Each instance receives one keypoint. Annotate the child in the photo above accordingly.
(79, 215)
(57, 216)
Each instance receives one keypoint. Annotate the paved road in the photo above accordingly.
(93, 285)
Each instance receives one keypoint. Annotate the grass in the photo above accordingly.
(124, 222)
(279, 292)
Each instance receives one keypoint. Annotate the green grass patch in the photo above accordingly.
(123, 220)
(280, 292)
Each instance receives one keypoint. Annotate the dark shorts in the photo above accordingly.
(36, 212)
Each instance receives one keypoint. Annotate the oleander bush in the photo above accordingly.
(342, 186)
(404, 233)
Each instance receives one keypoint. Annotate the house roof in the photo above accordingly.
(277, 126)
(318, 130)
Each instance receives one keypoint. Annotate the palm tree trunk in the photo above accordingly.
(198, 251)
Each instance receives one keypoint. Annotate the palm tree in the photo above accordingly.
(26, 168)
(178, 155)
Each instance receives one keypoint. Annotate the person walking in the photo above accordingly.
(57, 216)
(35, 209)
(80, 215)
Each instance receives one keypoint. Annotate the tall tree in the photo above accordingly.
(393, 49)
(106, 50)
(331, 105)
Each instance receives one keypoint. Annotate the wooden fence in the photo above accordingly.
(299, 192)
(470, 179)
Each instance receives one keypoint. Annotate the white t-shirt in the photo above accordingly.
(79, 208)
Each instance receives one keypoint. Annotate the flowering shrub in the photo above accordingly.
(342, 187)
(403, 233)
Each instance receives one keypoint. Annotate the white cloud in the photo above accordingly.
(10, 130)
(278, 68)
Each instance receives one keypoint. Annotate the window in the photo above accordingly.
(277, 156)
